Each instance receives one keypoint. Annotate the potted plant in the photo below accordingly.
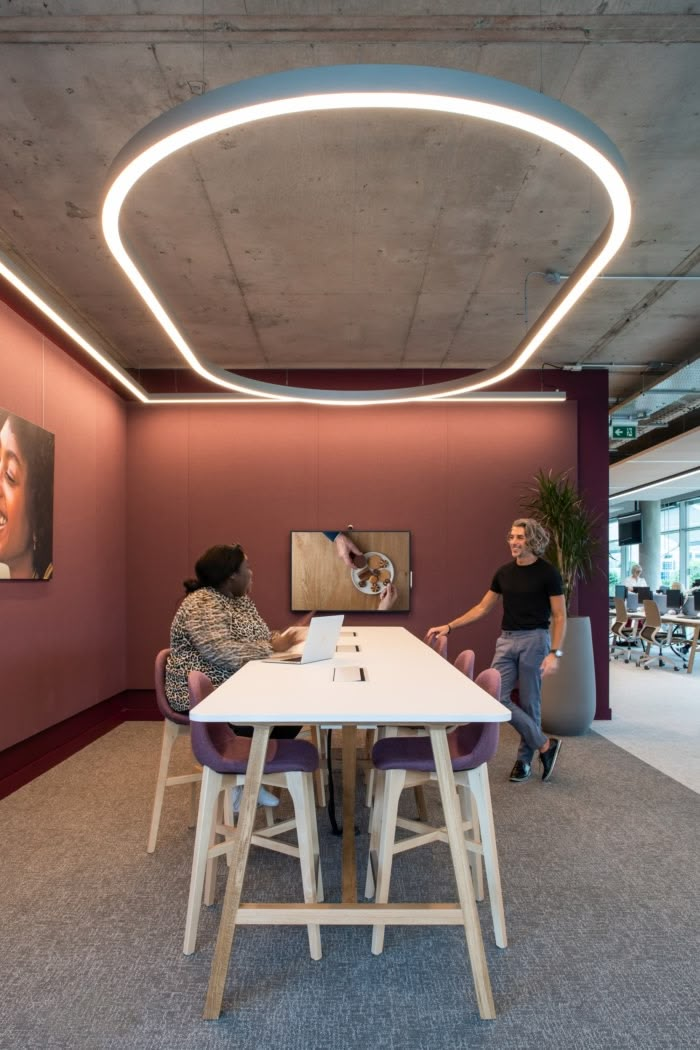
(568, 698)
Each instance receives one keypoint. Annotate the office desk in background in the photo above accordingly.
(670, 618)
(694, 625)
(406, 683)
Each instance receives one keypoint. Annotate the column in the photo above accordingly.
(650, 547)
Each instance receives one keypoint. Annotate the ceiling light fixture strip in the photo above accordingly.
(670, 480)
(555, 397)
(331, 88)
(20, 281)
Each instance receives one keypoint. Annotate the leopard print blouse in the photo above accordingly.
(214, 634)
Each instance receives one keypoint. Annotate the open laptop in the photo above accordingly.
(321, 640)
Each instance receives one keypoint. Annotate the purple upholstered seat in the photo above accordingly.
(470, 745)
(180, 718)
(408, 762)
(175, 725)
(224, 756)
(217, 746)
(439, 644)
(465, 663)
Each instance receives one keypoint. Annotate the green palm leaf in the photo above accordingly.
(555, 503)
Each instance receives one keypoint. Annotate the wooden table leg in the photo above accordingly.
(236, 875)
(465, 889)
(693, 647)
(349, 778)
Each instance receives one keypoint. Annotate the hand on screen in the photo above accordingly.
(348, 551)
(388, 597)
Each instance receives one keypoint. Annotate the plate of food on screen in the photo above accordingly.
(375, 575)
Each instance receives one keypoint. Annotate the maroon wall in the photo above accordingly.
(141, 491)
(452, 474)
(62, 642)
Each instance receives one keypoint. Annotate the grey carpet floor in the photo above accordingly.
(602, 891)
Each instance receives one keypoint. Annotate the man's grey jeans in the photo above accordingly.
(518, 656)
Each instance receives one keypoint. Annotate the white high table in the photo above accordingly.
(406, 683)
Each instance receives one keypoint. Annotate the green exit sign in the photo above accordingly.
(624, 430)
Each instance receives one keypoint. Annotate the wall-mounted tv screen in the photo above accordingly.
(629, 531)
(323, 581)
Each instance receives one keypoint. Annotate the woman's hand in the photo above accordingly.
(388, 597)
(284, 640)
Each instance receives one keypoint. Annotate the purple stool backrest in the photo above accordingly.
(215, 744)
(465, 663)
(479, 740)
(439, 644)
(209, 739)
(179, 717)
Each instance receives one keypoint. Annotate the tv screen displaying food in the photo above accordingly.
(350, 571)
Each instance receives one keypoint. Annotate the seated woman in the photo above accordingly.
(217, 629)
(635, 578)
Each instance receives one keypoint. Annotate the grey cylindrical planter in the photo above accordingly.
(568, 697)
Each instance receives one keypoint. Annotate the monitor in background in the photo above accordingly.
(643, 593)
(696, 598)
(632, 602)
(660, 601)
(629, 530)
(674, 599)
(620, 591)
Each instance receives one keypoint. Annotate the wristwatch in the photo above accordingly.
(556, 652)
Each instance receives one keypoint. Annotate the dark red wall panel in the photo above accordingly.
(63, 641)
(452, 474)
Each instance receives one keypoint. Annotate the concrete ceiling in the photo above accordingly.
(358, 240)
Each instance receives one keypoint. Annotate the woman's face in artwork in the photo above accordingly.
(15, 529)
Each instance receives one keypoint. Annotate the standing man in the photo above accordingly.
(533, 597)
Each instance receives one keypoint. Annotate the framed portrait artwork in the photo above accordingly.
(26, 499)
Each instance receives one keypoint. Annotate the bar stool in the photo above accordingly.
(224, 757)
(464, 662)
(176, 723)
(407, 762)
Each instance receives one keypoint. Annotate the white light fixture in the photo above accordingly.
(38, 298)
(13, 273)
(671, 480)
(372, 87)
(550, 397)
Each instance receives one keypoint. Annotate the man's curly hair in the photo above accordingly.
(536, 536)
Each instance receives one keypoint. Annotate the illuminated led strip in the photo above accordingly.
(672, 479)
(550, 397)
(23, 283)
(372, 87)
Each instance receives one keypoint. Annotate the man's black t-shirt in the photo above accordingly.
(526, 590)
